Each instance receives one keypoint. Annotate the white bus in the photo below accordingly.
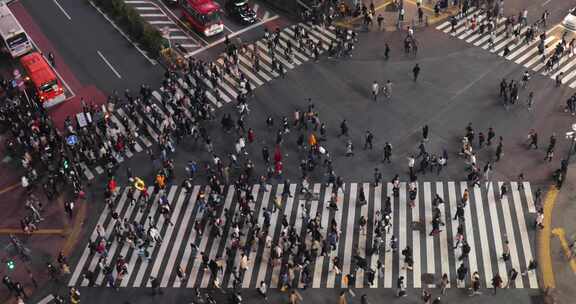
(15, 39)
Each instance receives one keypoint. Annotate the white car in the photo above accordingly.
(570, 20)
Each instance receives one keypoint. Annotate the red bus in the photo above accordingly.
(47, 86)
(203, 15)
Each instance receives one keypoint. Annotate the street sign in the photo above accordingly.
(82, 119)
(72, 140)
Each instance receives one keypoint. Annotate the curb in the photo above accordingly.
(544, 241)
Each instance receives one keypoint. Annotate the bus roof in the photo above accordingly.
(37, 68)
(204, 6)
(9, 25)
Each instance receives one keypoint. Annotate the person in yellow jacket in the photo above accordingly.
(161, 181)
(277, 203)
(312, 141)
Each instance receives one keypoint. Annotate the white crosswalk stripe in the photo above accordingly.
(497, 219)
(521, 52)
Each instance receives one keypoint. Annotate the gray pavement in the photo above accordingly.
(458, 84)
(563, 217)
(79, 40)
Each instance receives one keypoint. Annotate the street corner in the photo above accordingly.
(88, 96)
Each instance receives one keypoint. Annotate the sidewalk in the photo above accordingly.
(563, 216)
(390, 13)
(56, 232)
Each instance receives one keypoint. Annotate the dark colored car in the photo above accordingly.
(241, 11)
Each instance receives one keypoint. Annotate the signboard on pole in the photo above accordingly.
(82, 120)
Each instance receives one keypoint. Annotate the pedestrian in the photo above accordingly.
(342, 298)
(503, 190)
(416, 72)
(444, 284)
(380, 21)
(375, 90)
(532, 265)
(69, 208)
(426, 296)
(558, 81)
(400, 288)
(343, 128)
(388, 89)
(52, 59)
(475, 284)
(386, 51)
(425, 133)
(368, 140)
(262, 290)
(461, 273)
(530, 100)
(512, 275)
(295, 297)
(496, 282)
(506, 251)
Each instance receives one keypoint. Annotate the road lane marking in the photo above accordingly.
(561, 234)
(215, 43)
(546, 2)
(109, 65)
(62, 9)
(149, 8)
(47, 299)
(544, 253)
(152, 61)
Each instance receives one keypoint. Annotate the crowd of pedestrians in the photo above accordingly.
(52, 165)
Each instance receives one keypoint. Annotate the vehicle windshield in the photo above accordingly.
(17, 40)
(241, 3)
(49, 86)
(210, 18)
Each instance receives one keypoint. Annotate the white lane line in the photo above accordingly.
(402, 233)
(525, 239)
(152, 61)
(219, 41)
(331, 281)
(430, 263)
(484, 243)
(546, 2)
(349, 234)
(450, 202)
(529, 198)
(253, 251)
(168, 235)
(417, 270)
(47, 299)
(160, 222)
(287, 212)
(161, 22)
(149, 8)
(362, 238)
(388, 253)
(62, 9)
(445, 261)
(319, 264)
(267, 252)
(109, 65)
(153, 15)
(511, 238)
(498, 241)
(469, 233)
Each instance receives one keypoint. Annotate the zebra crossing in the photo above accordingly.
(226, 91)
(156, 16)
(490, 221)
(525, 54)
